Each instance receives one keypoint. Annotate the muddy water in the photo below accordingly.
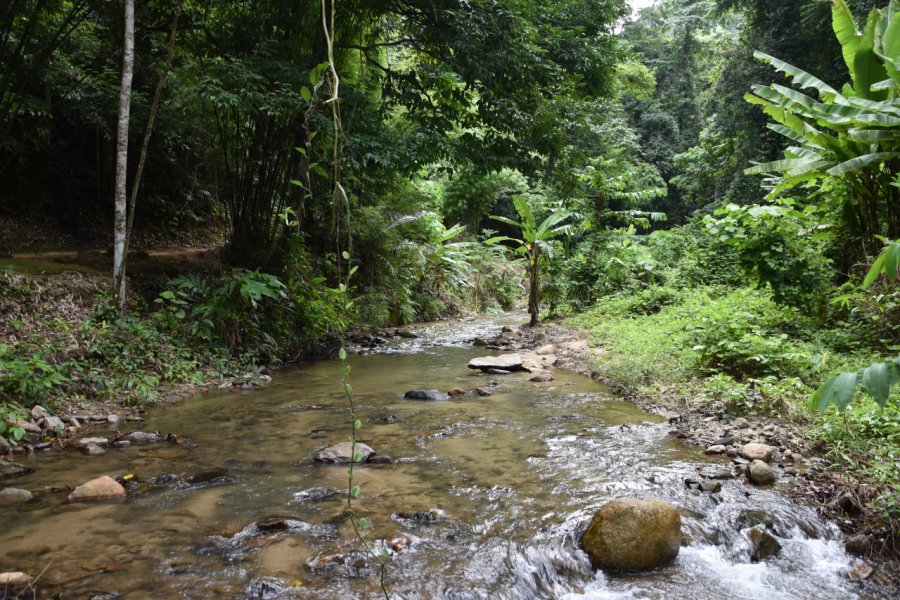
(503, 486)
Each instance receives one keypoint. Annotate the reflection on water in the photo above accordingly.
(510, 481)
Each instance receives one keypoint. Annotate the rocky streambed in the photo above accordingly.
(480, 491)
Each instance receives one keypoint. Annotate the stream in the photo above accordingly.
(485, 498)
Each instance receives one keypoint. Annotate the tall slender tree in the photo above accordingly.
(120, 223)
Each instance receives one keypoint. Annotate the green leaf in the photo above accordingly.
(354, 493)
(342, 354)
(345, 255)
(357, 457)
(876, 381)
(357, 425)
(801, 77)
(363, 523)
(858, 162)
(821, 399)
(844, 26)
(844, 386)
(305, 93)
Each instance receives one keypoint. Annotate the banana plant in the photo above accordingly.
(852, 134)
(535, 244)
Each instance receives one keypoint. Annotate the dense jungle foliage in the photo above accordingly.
(704, 186)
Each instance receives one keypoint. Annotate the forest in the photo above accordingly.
(706, 191)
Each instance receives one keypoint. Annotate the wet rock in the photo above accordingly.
(431, 395)
(38, 412)
(264, 588)
(546, 349)
(74, 423)
(143, 437)
(380, 459)
(504, 362)
(716, 449)
(317, 494)
(456, 392)
(207, 478)
(93, 450)
(352, 565)
(113, 419)
(405, 334)
(5, 446)
(13, 495)
(761, 473)
(629, 534)
(493, 371)
(542, 378)
(427, 517)
(741, 423)
(764, 544)
(122, 444)
(858, 544)
(725, 441)
(719, 474)
(483, 392)
(397, 543)
(8, 470)
(103, 488)
(480, 342)
(860, 572)
(279, 523)
(342, 453)
(94, 441)
(15, 582)
(388, 420)
(761, 452)
(711, 486)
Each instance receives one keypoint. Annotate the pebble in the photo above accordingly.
(482, 392)
(113, 419)
(716, 449)
(741, 423)
(93, 450)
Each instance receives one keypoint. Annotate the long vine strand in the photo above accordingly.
(340, 197)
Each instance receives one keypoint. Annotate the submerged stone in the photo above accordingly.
(426, 395)
(504, 362)
(763, 544)
(103, 488)
(343, 453)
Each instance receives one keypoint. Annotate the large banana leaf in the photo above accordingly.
(845, 29)
(857, 163)
(867, 69)
(802, 78)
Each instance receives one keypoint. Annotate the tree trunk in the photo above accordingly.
(534, 295)
(119, 225)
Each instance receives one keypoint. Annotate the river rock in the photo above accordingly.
(28, 426)
(761, 473)
(542, 378)
(860, 572)
(761, 452)
(14, 581)
(52, 423)
(858, 544)
(537, 363)
(143, 437)
(342, 453)
(426, 395)
(629, 534)
(38, 412)
(103, 488)
(741, 423)
(94, 441)
(113, 419)
(480, 342)
(8, 470)
(405, 334)
(763, 544)
(93, 449)
(456, 392)
(716, 449)
(483, 391)
(13, 495)
(546, 349)
(711, 486)
(505, 362)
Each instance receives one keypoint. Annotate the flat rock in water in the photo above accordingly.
(93, 450)
(505, 362)
(342, 453)
(542, 378)
(716, 449)
(103, 488)
(8, 470)
(426, 395)
(143, 437)
(482, 392)
(537, 363)
(94, 441)
(12, 495)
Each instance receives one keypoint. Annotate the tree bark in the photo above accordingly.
(119, 225)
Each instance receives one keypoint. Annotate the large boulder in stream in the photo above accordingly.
(504, 362)
(343, 453)
(628, 534)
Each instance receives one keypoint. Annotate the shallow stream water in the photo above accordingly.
(496, 491)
